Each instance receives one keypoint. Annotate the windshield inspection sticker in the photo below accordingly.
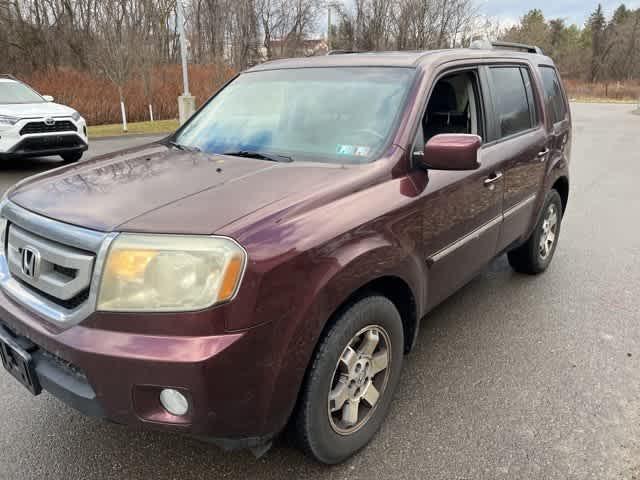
(362, 151)
(346, 150)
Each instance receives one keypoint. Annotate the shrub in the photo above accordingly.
(613, 91)
(97, 99)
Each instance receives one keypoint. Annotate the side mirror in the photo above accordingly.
(48, 98)
(452, 151)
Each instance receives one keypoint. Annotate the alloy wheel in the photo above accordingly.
(549, 232)
(359, 380)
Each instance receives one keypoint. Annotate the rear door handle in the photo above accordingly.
(490, 181)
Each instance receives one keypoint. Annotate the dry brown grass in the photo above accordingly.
(603, 92)
(97, 99)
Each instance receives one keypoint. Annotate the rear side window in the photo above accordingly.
(553, 94)
(512, 100)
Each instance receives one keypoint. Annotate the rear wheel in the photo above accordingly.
(350, 385)
(536, 254)
(71, 157)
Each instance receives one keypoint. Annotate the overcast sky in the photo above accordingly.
(574, 11)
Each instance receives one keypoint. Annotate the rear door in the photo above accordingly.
(558, 114)
(519, 145)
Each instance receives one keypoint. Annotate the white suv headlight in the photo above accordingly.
(170, 273)
(76, 116)
(6, 120)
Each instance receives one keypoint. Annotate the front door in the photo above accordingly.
(462, 211)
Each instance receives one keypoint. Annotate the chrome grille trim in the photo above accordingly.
(51, 255)
(65, 234)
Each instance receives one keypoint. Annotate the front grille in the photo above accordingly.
(41, 127)
(60, 273)
(49, 266)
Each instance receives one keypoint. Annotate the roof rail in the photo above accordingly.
(9, 76)
(483, 44)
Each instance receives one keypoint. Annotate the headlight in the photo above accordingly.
(3, 221)
(7, 120)
(76, 116)
(170, 273)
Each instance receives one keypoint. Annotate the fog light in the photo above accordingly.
(174, 402)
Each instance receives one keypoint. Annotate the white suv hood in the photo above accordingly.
(35, 110)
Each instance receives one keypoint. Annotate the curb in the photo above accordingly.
(130, 135)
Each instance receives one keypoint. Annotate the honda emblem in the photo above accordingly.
(30, 262)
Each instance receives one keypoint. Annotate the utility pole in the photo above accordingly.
(186, 102)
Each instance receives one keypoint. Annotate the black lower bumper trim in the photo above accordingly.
(72, 388)
(63, 382)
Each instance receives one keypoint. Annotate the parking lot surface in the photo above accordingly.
(513, 377)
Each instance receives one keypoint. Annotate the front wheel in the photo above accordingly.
(350, 385)
(536, 254)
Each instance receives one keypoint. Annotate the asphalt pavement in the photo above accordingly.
(514, 377)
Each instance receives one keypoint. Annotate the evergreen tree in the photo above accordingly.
(597, 24)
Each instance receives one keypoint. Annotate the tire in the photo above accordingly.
(324, 435)
(72, 157)
(530, 258)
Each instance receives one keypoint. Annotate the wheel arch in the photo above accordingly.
(395, 289)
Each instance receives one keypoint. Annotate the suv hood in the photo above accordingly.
(160, 190)
(35, 110)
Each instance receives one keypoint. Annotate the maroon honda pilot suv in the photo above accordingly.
(268, 265)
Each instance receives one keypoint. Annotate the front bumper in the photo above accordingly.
(118, 376)
(15, 143)
(46, 146)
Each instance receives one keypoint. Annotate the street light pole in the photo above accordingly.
(186, 102)
(183, 46)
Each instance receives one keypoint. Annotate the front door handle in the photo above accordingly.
(543, 154)
(491, 180)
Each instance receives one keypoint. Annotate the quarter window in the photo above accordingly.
(512, 100)
(553, 94)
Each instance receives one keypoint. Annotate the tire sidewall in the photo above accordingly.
(325, 444)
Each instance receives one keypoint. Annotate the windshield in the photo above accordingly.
(14, 92)
(340, 115)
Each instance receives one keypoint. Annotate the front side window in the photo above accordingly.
(511, 100)
(553, 94)
(454, 107)
(15, 92)
(342, 115)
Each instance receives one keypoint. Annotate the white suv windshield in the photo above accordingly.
(14, 92)
(340, 115)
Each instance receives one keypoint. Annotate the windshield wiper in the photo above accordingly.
(184, 148)
(272, 157)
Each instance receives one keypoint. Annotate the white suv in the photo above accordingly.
(31, 125)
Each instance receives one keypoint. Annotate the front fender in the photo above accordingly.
(338, 271)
